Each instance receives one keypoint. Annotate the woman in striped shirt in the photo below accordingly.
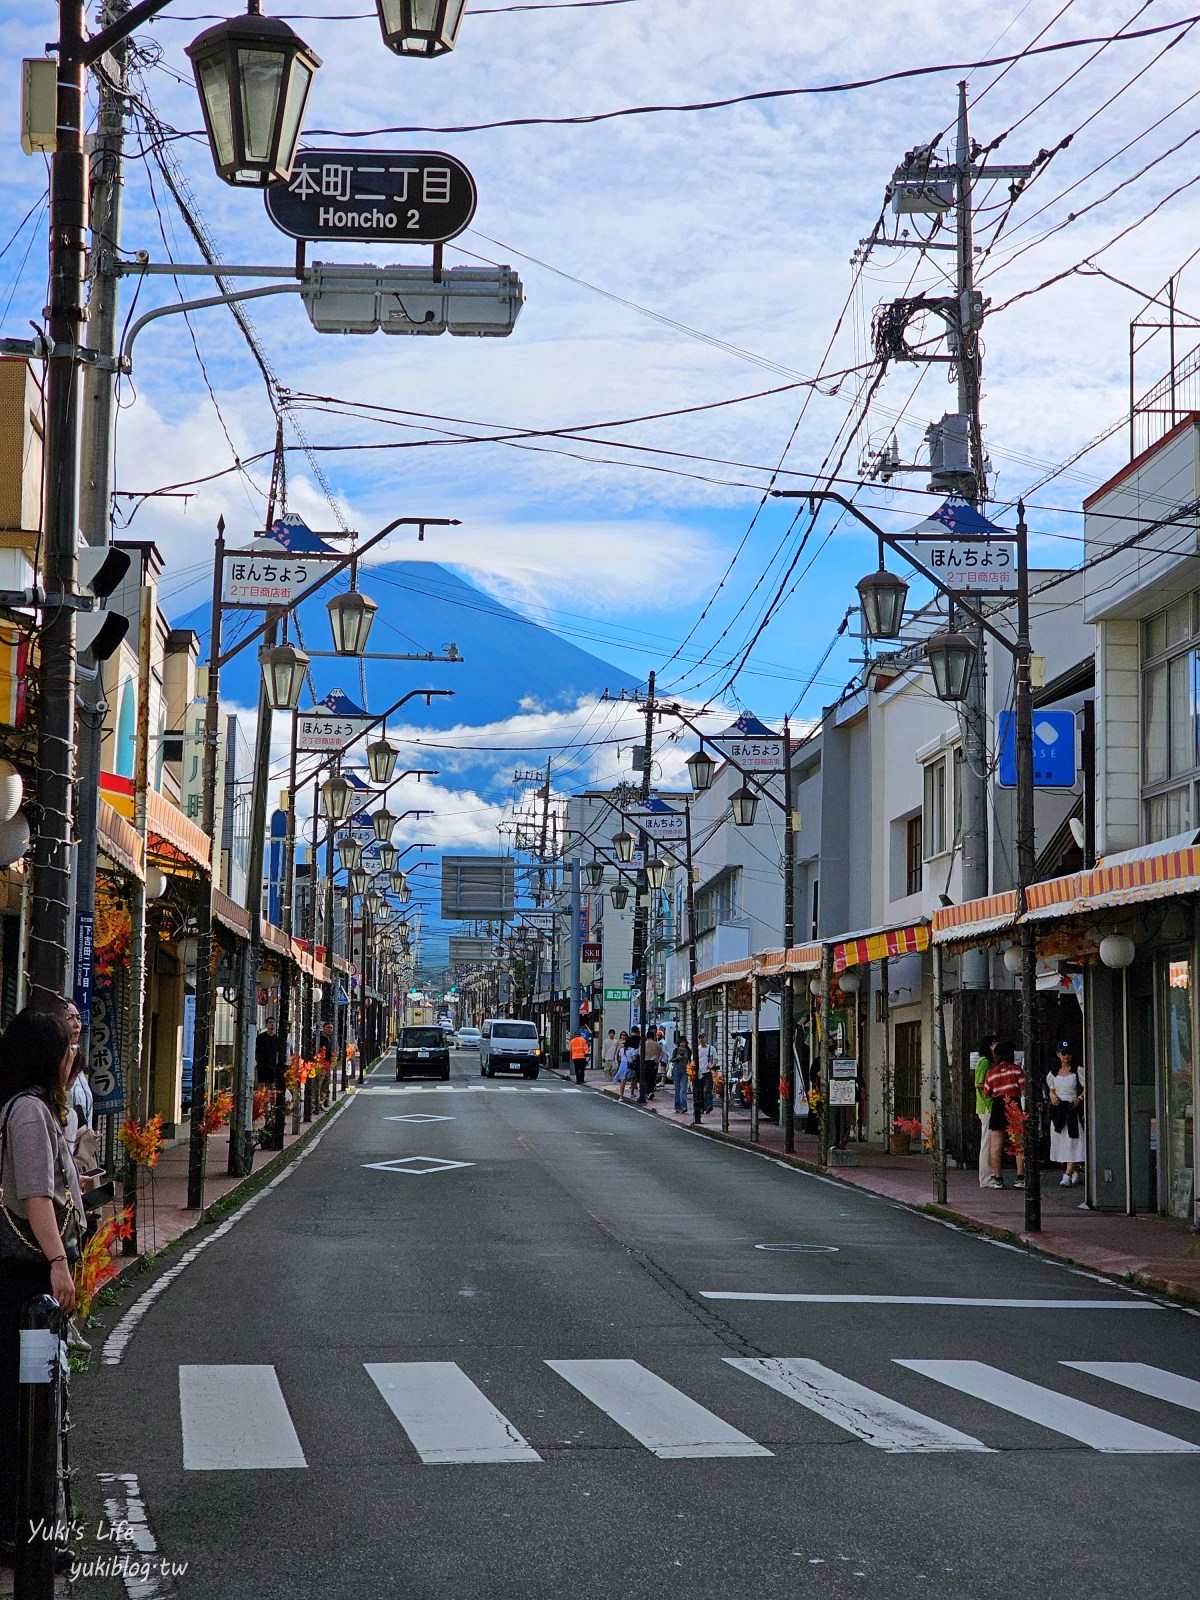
(1005, 1082)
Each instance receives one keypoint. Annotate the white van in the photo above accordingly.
(507, 1042)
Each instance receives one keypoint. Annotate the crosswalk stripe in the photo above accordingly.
(1145, 1379)
(1102, 1430)
(872, 1417)
(659, 1416)
(449, 1421)
(235, 1419)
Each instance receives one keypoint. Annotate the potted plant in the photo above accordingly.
(904, 1131)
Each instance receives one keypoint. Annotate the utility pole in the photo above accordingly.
(787, 1076)
(641, 921)
(958, 464)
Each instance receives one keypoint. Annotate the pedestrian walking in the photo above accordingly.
(608, 1053)
(1004, 1081)
(1066, 1085)
(627, 1066)
(680, 1057)
(651, 1060)
(706, 1063)
(268, 1049)
(580, 1049)
(983, 1107)
(41, 1208)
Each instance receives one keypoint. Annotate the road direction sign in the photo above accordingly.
(613, 996)
(420, 195)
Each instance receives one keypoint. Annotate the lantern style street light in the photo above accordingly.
(336, 795)
(595, 874)
(951, 658)
(399, 886)
(384, 821)
(623, 844)
(253, 75)
(284, 671)
(656, 873)
(619, 895)
(388, 856)
(420, 27)
(701, 770)
(744, 802)
(350, 618)
(350, 851)
(359, 881)
(381, 760)
(402, 930)
(882, 595)
(376, 902)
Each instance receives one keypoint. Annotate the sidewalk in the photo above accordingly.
(1156, 1253)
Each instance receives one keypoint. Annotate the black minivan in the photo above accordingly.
(422, 1053)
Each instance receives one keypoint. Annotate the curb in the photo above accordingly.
(1183, 1294)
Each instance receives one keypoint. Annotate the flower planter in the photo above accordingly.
(901, 1143)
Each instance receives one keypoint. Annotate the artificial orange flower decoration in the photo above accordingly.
(96, 1266)
(142, 1140)
(217, 1112)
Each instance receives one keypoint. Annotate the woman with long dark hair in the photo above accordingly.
(38, 1185)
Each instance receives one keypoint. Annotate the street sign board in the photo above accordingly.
(591, 953)
(265, 574)
(323, 730)
(844, 1067)
(660, 821)
(843, 1092)
(543, 919)
(104, 1041)
(423, 196)
(616, 995)
(1053, 750)
(979, 566)
(751, 745)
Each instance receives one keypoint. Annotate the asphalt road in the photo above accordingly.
(519, 1374)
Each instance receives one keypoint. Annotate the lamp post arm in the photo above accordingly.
(895, 542)
(125, 359)
(101, 42)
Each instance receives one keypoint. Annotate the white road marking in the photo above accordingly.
(869, 1416)
(135, 1556)
(114, 1346)
(659, 1416)
(415, 1166)
(1144, 1379)
(448, 1420)
(929, 1300)
(1101, 1430)
(235, 1419)
(420, 1116)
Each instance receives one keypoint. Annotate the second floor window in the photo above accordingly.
(914, 856)
(1170, 732)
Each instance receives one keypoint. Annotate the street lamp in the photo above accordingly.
(701, 770)
(253, 75)
(381, 760)
(388, 856)
(951, 658)
(402, 930)
(384, 821)
(350, 618)
(284, 671)
(656, 873)
(595, 874)
(350, 851)
(744, 802)
(336, 795)
(619, 894)
(358, 881)
(420, 27)
(399, 886)
(376, 902)
(623, 844)
(882, 595)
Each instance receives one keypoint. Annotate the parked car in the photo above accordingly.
(422, 1053)
(510, 1043)
(467, 1039)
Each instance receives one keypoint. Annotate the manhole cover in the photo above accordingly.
(802, 1249)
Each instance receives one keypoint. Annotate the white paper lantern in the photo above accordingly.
(850, 981)
(1012, 959)
(12, 791)
(156, 883)
(188, 950)
(14, 839)
(1117, 951)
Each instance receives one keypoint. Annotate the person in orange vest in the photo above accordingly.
(580, 1050)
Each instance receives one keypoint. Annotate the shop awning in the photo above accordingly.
(975, 920)
(799, 958)
(229, 913)
(727, 972)
(118, 840)
(172, 838)
(1125, 883)
(873, 944)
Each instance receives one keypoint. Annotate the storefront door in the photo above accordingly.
(1176, 1080)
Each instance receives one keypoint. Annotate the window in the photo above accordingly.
(936, 833)
(906, 1100)
(1170, 721)
(914, 855)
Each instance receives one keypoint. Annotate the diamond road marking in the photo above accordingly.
(415, 1166)
(419, 1116)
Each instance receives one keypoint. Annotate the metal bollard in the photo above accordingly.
(39, 1426)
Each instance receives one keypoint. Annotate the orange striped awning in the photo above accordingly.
(975, 919)
(727, 972)
(800, 958)
(1154, 877)
(856, 949)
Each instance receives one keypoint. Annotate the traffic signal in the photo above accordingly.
(100, 569)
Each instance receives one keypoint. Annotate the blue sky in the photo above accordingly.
(670, 260)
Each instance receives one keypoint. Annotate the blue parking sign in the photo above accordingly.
(1053, 750)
